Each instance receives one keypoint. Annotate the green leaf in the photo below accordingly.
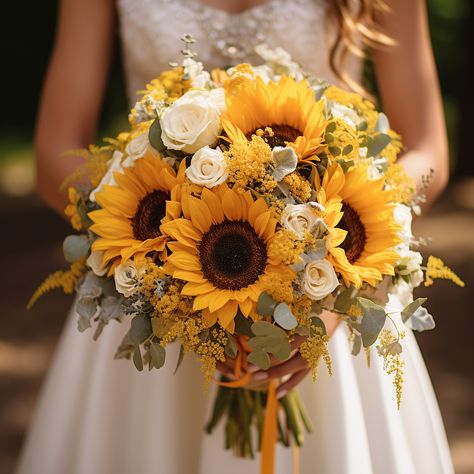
(230, 347)
(331, 127)
(335, 150)
(377, 143)
(180, 359)
(158, 355)
(409, 309)
(394, 348)
(356, 344)
(373, 321)
(270, 338)
(315, 324)
(75, 247)
(154, 136)
(260, 359)
(266, 304)
(243, 325)
(140, 329)
(284, 317)
(345, 299)
(263, 328)
(137, 359)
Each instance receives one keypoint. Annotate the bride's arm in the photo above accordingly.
(410, 92)
(411, 97)
(72, 92)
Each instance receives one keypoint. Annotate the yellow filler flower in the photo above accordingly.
(220, 249)
(288, 108)
(364, 232)
(129, 223)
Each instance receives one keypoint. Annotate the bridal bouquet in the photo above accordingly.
(239, 205)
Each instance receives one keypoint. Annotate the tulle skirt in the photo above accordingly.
(97, 415)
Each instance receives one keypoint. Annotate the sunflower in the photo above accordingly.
(288, 108)
(132, 211)
(363, 232)
(220, 249)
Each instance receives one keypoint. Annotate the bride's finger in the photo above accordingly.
(292, 382)
(295, 364)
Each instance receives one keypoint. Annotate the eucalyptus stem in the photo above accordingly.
(292, 419)
(303, 414)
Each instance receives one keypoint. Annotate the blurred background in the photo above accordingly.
(31, 234)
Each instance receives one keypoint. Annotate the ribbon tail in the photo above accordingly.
(270, 428)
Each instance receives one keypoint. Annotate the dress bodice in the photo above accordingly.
(151, 32)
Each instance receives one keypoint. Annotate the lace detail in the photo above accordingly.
(151, 32)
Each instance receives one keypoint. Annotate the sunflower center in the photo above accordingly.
(355, 240)
(147, 219)
(279, 135)
(232, 255)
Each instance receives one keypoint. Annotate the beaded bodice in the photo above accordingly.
(151, 32)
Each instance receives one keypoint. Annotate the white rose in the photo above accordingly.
(218, 97)
(191, 122)
(208, 167)
(114, 165)
(300, 218)
(137, 147)
(127, 278)
(403, 217)
(319, 279)
(417, 278)
(96, 264)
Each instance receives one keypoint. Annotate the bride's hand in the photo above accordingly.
(295, 366)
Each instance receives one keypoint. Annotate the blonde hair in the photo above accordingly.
(356, 32)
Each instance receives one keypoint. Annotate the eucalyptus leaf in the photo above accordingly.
(180, 359)
(345, 299)
(382, 124)
(137, 359)
(421, 320)
(140, 329)
(161, 326)
(243, 325)
(394, 348)
(319, 250)
(264, 328)
(410, 309)
(302, 331)
(260, 359)
(154, 136)
(266, 304)
(230, 347)
(110, 308)
(373, 321)
(284, 317)
(317, 323)
(158, 355)
(377, 143)
(270, 338)
(356, 344)
(86, 308)
(75, 247)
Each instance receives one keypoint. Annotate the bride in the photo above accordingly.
(100, 416)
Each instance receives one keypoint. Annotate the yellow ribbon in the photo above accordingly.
(270, 424)
(270, 428)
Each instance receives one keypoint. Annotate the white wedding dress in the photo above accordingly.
(97, 415)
